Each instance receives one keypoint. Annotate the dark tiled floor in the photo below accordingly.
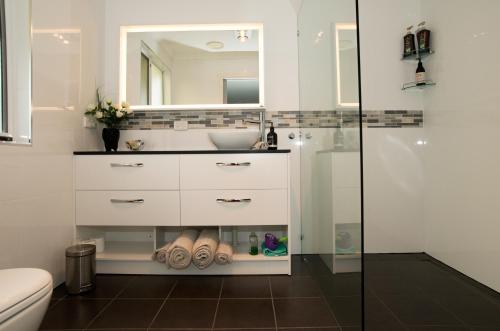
(402, 292)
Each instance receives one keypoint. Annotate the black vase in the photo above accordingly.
(111, 136)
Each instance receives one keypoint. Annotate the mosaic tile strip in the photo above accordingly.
(164, 120)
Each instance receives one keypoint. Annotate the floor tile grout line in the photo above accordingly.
(218, 303)
(388, 308)
(163, 304)
(330, 309)
(109, 303)
(449, 311)
(272, 303)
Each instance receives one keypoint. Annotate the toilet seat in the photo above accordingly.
(20, 289)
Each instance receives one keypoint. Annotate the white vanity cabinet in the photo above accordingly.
(138, 201)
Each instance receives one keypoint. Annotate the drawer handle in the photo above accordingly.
(234, 164)
(234, 200)
(127, 201)
(127, 165)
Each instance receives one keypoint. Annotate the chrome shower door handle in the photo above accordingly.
(127, 165)
(234, 164)
(132, 201)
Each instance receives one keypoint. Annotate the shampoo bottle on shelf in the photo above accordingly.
(423, 39)
(409, 42)
(272, 139)
(420, 74)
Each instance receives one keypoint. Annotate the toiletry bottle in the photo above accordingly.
(272, 139)
(409, 42)
(420, 74)
(254, 244)
(423, 39)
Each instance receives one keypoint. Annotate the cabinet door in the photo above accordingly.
(128, 208)
(127, 172)
(234, 172)
(234, 207)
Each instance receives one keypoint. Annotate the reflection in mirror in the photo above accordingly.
(192, 66)
(347, 65)
(16, 71)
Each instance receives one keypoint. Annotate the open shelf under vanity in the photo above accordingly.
(129, 250)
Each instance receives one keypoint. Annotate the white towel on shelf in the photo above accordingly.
(179, 253)
(161, 254)
(204, 248)
(224, 254)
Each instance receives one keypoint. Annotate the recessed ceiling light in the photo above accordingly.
(215, 44)
(242, 36)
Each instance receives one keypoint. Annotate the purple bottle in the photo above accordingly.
(271, 241)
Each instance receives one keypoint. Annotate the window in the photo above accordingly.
(241, 91)
(155, 79)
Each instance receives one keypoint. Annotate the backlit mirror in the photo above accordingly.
(347, 65)
(15, 75)
(192, 66)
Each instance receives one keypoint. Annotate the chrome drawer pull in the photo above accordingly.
(127, 165)
(234, 164)
(234, 200)
(127, 201)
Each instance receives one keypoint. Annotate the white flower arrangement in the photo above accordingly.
(107, 113)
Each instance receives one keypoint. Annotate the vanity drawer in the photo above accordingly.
(127, 208)
(234, 171)
(228, 207)
(127, 172)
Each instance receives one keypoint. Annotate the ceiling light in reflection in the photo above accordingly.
(66, 42)
(421, 142)
(242, 36)
(61, 37)
(56, 35)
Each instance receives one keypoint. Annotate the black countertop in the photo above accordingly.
(256, 151)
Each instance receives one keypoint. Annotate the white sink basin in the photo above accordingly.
(244, 139)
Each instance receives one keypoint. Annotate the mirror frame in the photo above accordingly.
(339, 27)
(124, 30)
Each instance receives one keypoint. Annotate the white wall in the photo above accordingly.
(393, 162)
(36, 200)
(280, 41)
(200, 80)
(317, 51)
(382, 25)
(462, 126)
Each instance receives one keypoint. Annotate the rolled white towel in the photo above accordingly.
(179, 253)
(204, 248)
(161, 254)
(224, 254)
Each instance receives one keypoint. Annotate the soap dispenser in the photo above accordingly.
(272, 139)
(420, 74)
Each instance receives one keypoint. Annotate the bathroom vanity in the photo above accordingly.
(138, 201)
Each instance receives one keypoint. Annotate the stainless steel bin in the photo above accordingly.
(80, 268)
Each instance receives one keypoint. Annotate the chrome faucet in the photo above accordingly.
(262, 125)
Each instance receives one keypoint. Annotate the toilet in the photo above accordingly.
(24, 298)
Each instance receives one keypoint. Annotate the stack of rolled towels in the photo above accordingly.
(191, 246)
